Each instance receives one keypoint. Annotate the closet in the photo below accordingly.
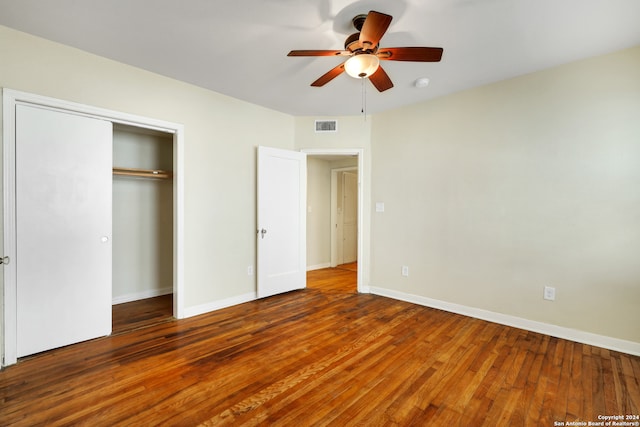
(142, 214)
(92, 218)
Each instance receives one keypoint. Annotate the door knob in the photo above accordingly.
(262, 233)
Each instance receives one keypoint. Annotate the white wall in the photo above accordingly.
(495, 192)
(219, 157)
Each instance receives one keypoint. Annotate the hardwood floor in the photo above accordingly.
(322, 356)
(353, 266)
(141, 314)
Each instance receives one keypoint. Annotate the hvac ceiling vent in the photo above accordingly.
(326, 126)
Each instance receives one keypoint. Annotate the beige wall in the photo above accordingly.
(493, 193)
(219, 157)
(318, 213)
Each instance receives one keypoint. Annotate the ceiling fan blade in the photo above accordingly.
(416, 54)
(327, 77)
(319, 53)
(373, 29)
(381, 80)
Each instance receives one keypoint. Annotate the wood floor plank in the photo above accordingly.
(325, 355)
(551, 372)
(575, 404)
(563, 361)
(631, 384)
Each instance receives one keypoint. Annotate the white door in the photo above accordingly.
(63, 228)
(282, 197)
(349, 217)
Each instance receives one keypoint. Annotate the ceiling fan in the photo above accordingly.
(365, 54)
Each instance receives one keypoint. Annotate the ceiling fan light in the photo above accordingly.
(362, 66)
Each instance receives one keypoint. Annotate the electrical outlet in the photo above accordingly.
(405, 270)
(549, 293)
(250, 270)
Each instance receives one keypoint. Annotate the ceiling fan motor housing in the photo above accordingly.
(353, 45)
(358, 21)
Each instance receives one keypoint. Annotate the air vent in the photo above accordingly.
(326, 126)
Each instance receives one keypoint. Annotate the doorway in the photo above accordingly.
(344, 165)
(142, 227)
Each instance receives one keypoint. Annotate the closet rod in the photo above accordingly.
(143, 173)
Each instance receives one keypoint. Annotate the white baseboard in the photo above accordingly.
(318, 266)
(141, 295)
(217, 305)
(610, 343)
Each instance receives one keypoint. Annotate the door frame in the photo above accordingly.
(363, 262)
(10, 98)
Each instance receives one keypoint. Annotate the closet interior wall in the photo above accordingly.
(142, 215)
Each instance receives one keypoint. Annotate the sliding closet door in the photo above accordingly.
(63, 228)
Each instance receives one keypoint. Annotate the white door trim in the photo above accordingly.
(363, 262)
(10, 98)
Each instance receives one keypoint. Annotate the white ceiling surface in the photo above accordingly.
(239, 47)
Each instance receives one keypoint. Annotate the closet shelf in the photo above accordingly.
(143, 173)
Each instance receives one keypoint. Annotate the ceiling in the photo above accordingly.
(239, 47)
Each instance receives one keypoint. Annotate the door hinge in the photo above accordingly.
(4, 260)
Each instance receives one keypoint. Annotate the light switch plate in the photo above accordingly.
(379, 206)
(549, 293)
